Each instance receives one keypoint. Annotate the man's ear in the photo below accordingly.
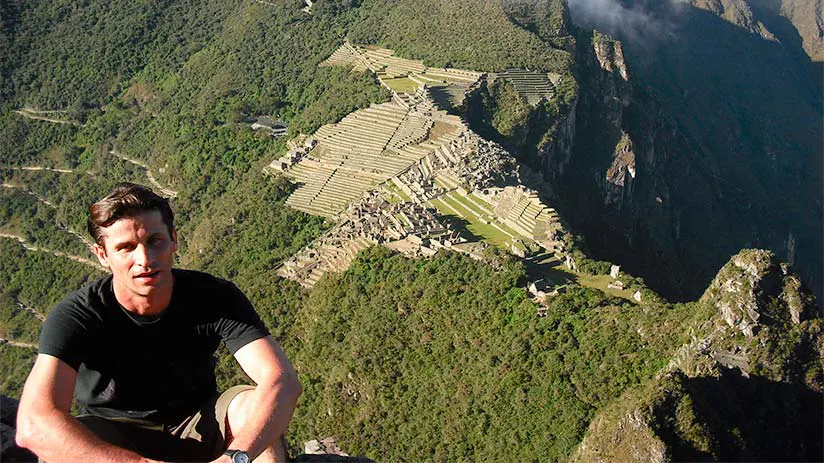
(174, 240)
(100, 251)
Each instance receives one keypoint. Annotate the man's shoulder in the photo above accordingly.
(202, 283)
(85, 306)
(90, 297)
(196, 277)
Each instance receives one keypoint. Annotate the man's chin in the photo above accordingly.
(147, 286)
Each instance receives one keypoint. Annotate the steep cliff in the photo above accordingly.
(697, 135)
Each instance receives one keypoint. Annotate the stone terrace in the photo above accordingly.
(378, 169)
(382, 62)
(407, 227)
(533, 86)
(364, 149)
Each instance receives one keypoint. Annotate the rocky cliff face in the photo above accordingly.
(697, 135)
(770, 18)
(748, 387)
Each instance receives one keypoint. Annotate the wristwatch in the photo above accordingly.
(238, 456)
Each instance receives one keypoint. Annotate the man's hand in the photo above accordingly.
(257, 419)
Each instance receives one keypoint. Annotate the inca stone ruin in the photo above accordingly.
(403, 173)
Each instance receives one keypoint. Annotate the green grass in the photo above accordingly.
(395, 191)
(459, 202)
(401, 84)
(402, 219)
(555, 271)
(471, 205)
(488, 233)
(601, 282)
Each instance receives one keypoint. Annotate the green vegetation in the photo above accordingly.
(499, 113)
(37, 224)
(479, 37)
(424, 360)
(25, 143)
(17, 363)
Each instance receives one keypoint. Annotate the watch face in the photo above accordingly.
(240, 457)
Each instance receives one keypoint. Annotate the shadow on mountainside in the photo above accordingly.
(727, 135)
(734, 418)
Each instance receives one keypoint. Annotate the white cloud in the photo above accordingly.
(636, 22)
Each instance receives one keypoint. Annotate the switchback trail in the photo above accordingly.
(166, 191)
(41, 116)
(31, 247)
(38, 168)
(17, 343)
(45, 201)
(31, 310)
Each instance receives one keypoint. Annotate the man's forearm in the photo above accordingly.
(55, 436)
(266, 412)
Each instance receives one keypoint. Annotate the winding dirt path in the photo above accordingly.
(34, 312)
(45, 201)
(31, 247)
(166, 191)
(39, 115)
(39, 168)
(18, 344)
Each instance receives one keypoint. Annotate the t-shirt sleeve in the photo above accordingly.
(66, 333)
(240, 324)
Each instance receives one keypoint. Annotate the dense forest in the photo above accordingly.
(440, 359)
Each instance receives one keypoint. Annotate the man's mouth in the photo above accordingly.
(147, 275)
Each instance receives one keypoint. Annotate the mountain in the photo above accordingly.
(424, 240)
(718, 120)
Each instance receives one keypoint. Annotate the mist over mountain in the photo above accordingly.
(731, 83)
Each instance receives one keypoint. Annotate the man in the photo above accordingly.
(136, 348)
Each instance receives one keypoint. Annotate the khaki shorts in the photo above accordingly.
(200, 437)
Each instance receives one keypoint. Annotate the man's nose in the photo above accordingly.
(143, 256)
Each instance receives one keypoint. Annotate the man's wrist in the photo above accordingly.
(238, 456)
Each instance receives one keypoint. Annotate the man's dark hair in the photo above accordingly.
(127, 200)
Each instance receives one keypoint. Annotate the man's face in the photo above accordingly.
(139, 252)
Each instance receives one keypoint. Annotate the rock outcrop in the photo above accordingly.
(748, 386)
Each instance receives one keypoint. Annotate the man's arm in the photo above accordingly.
(45, 427)
(269, 408)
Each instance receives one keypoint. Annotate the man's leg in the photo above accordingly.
(143, 437)
(239, 409)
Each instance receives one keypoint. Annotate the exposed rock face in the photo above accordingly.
(621, 173)
(610, 55)
(714, 165)
(737, 12)
(556, 154)
(747, 284)
(747, 387)
(806, 18)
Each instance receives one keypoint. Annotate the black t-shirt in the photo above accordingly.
(160, 369)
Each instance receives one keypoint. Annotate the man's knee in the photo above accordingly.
(237, 413)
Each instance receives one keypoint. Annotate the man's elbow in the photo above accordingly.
(26, 429)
